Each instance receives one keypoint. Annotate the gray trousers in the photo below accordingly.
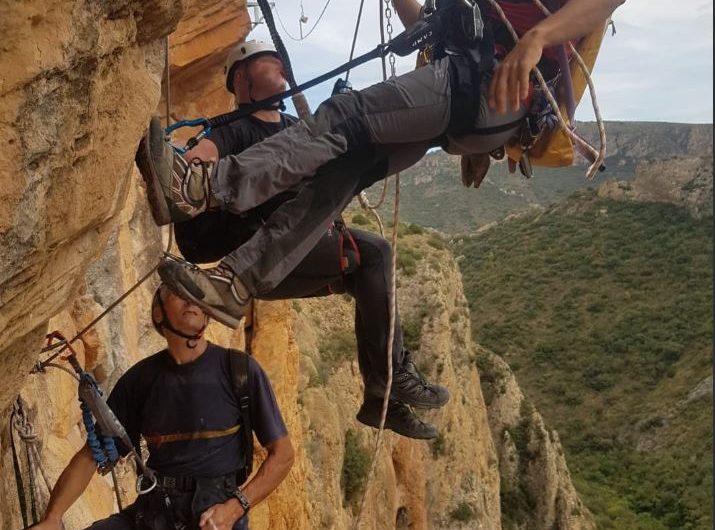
(351, 141)
(411, 109)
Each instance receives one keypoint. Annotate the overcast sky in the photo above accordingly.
(658, 66)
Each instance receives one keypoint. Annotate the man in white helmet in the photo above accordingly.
(342, 260)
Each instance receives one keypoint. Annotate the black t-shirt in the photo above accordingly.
(212, 235)
(156, 396)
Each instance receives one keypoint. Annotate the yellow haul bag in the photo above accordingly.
(554, 148)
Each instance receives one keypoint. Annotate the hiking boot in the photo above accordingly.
(400, 419)
(410, 387)
(177, 190)
(217, 290)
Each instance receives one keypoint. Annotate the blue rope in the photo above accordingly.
(110, 449)
(92, 439)
(105, 453)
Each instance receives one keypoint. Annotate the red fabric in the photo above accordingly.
(523, 16)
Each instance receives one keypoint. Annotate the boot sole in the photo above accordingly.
(376, 425)
(422, 405)
(154, 191)
(168, 275)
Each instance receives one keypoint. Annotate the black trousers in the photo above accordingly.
(127, 520)
(368, 282)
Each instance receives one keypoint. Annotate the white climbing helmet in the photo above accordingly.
(243, 51)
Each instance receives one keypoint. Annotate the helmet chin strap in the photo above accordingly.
(279, 105)
(191, 340)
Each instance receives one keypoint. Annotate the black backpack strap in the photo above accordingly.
(240, 379)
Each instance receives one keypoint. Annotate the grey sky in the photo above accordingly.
(658, 66)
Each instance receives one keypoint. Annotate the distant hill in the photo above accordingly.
(603, 309)
(433, 196)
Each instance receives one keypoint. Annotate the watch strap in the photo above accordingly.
(242, 500)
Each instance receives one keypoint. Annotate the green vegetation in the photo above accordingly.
(432, 194)
(356, 465)
(604, 311)
(439, 446)
(464, 512)
(335, 348)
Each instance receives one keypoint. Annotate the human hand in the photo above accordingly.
(221, 516)
(510, 84)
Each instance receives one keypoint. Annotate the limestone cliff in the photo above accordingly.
(684, 180)
(79, 81)
(423, 485)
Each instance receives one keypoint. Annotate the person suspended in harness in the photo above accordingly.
(465, 99)
(342, 260)
(197, 406)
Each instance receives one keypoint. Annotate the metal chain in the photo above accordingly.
(390, 29)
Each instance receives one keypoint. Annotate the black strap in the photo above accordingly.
(242, 387)
(419, 35)
(18, 476)
(466, 94)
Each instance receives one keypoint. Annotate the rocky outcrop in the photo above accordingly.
(536, 488)
(198, 50)
(632, 142)
(451, 483)
(685, 181)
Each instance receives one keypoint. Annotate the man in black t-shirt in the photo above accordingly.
(183, 402)
(352, 261)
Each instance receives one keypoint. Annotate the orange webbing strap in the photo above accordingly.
(155, 440)
(343, 235)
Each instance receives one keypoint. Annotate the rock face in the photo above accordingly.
(78, 84)
(450, 483)
(79, 81)
(685, 181)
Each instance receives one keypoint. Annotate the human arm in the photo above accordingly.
(71, 484)
(271, 473)
(510, 84)
(409, 11)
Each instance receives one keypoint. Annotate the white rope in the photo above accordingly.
(593, 169)
(392, 299)
(591, 90)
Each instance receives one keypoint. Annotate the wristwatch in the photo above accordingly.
(242, 500)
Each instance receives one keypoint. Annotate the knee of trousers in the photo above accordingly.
(343, 114)
(376, 252)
